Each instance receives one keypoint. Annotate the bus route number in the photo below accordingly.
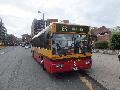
(64, 28)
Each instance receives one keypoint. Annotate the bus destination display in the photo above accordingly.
(71, 28)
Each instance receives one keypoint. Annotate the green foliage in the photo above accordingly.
(115, 41)
(101, 45)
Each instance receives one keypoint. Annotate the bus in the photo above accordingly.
(63, 47)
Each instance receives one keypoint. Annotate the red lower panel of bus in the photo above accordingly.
(64, 66)
(55, 67)
(37, 57)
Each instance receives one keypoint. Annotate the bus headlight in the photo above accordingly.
(59, 65)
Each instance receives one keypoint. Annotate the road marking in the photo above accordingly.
(86, 82)
(2, 53)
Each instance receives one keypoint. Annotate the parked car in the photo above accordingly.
(27, 46)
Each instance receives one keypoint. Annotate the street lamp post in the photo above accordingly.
(43, 18)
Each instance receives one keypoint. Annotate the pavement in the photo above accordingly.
(19, 71)
(106, 70)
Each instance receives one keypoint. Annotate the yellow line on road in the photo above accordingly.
(86, 82)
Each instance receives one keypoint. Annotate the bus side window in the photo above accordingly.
(48, 40)
(48, 35)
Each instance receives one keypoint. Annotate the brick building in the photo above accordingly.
(102, 33)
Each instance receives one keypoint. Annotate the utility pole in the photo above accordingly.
(42, 15)
(44, 22)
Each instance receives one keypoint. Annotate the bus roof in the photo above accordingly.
(68, 24)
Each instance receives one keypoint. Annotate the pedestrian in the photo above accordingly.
(119, 56)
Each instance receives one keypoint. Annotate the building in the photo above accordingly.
(3, 33)
(115, 29)
(103, 34)
(26, 38)
(37, 26)
(65, 21)
(48, 21)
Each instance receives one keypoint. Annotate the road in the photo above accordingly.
(18, 71)
(106, 70)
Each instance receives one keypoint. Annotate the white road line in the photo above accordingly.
(2, 53)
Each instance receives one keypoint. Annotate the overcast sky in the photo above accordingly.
(18, 15)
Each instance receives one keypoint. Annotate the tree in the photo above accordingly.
(115, 41)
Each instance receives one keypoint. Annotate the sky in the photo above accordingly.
(18, 15)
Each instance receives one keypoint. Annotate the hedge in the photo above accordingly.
(101, 45)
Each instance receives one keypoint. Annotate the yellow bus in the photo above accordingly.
(62, 47)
